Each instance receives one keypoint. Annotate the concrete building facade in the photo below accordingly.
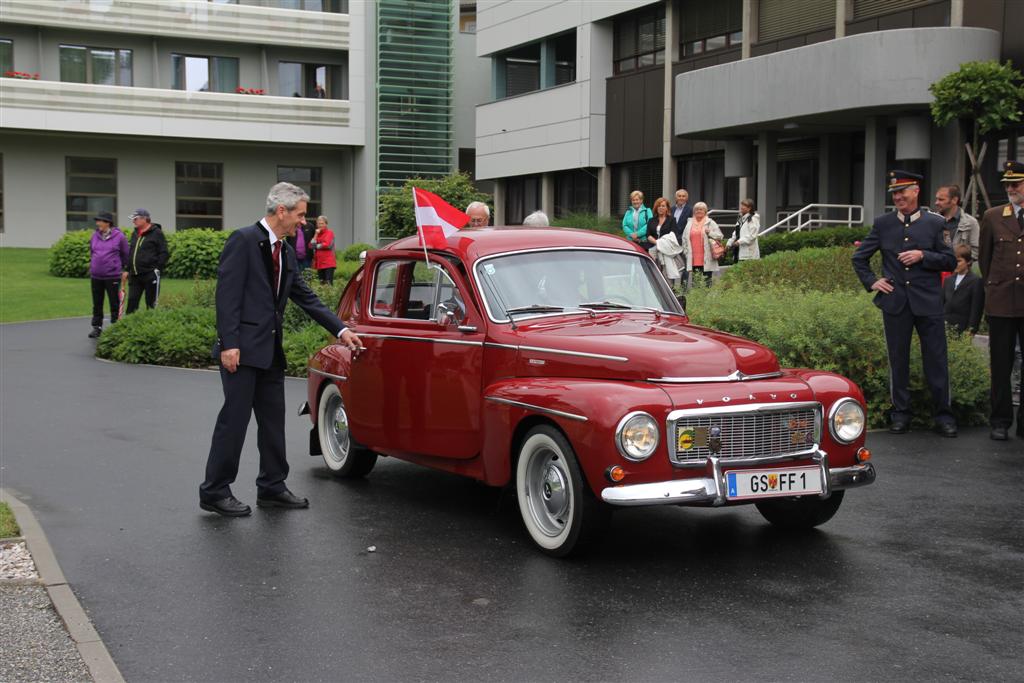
(790, 102)
(193, 108)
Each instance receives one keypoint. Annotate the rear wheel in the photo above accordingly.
(559, 511)
(802, 512)
(341, 454)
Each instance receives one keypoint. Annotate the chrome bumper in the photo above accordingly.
(710, 489)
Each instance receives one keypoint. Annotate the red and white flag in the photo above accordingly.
(436, 219)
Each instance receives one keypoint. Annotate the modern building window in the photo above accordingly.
(6, 56)
(640, 39)
(199, 195)
(321, 81)
(336, 6)
(565, 58)
(575, 192)
(783, 18)
(522, 197)
(467, 18)
(522, 70)
(862, 9)
(205, 74)
(639, 175)
(704, 27)
(101, 66)
(308, 178)
(703, 176)
(91, 187)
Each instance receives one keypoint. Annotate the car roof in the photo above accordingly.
(471, 244)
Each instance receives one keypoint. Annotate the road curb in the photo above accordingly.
(94, 653)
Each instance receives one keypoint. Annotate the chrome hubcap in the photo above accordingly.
(549, 492)
(337, 422)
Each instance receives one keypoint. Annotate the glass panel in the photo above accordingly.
(198, 195)
(715, 43)
(695, 47)
(197, 74)
(320, 89)
(72, 64)
(124, 67)
(91, 187)
(6, 56)
(289, 79)
(625, 37)
(384, 289)
(646, 60)
(646, 32)
(103, 70)
(736, 38)
(224, 74)
(85, 165)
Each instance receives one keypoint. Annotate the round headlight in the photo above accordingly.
(636, 436)
(846, 420)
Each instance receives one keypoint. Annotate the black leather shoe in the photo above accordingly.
(946, 429)
(229, 507)
(899, 427)
(285, 499)
(96, 331)
(999, 434)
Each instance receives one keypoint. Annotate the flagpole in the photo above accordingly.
(423, 235)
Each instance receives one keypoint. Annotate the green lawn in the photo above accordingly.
(8, 527)
(29, 292)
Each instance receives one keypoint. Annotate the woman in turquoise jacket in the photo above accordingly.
(634, 223)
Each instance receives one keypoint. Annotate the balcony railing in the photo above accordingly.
(77, 107)
(186, 19)
(817, 216)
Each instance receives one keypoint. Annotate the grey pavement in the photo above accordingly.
(35, 644)
(918, 577)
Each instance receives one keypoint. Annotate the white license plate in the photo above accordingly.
(791, 481)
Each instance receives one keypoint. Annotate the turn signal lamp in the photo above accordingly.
(615, 474)
(863, 455)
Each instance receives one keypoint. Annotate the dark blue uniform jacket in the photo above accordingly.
(919, 286)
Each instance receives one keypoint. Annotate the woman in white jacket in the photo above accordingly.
(698, 234)
(745, 236)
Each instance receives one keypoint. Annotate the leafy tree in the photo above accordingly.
(397, 217)
(986, 96)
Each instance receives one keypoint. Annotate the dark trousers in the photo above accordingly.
(1003, 336)
(931, 330)
(326, 275)
(248, 390)
(108, 286)
(148, 283)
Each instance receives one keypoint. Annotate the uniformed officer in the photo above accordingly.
(910, 296)
(1001, 257)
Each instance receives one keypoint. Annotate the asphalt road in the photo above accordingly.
(919, 577)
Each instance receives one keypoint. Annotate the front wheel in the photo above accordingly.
(559, 511)
(803, 512)
(343, 457)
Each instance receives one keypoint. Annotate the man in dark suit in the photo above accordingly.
(1002, 269)
(258, 273)
(910, 296)
(963, 295)
(682, 211)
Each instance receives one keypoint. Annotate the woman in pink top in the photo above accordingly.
(700, 230)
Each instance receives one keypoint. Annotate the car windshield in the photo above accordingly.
(546, 282)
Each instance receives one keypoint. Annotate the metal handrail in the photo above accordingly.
(810, 216)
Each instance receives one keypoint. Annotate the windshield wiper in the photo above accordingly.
(535, 308)
(606, 304)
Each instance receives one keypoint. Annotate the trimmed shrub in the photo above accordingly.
(181, 337)
(195, 252)
(590, 221)
(819, 237)
(202, 294)
(396, 217)
(822, 270)
(69, 256)
(841, 332)
(351, 252)
(295, 318)
(302, 343)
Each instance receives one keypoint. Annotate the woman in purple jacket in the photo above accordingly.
(108, 258)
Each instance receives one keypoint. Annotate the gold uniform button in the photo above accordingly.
(906, 239)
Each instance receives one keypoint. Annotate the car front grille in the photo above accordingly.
(743, 432)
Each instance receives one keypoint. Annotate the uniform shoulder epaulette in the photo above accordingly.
(1007, 210)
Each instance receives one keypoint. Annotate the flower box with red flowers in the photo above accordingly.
(250, 91)
(22, 75)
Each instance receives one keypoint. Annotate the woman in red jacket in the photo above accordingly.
(324, 261)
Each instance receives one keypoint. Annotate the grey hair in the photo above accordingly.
(479, 205)
(286, 195)
(537, 219)
(700, 205)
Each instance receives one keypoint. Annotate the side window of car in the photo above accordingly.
(383, 304)
(449, 298)
(412, 290)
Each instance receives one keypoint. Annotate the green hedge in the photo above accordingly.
(590, 221)
(822, 270)
(840, 331)
(181, 337)
(69, 256)
(820, 237)
(195, 252)
(351, 252)
(396, 217)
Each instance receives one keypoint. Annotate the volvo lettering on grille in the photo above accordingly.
(745, 435)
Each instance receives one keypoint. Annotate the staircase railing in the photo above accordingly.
(816, 216)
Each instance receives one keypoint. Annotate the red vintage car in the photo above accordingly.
(559, 362)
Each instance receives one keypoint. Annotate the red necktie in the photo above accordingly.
(277, 266)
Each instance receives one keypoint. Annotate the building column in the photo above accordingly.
(749, 27)
(669, 169)
(604, 191)
(767, 172)
(841, 16)
(826, 194)
(498, 218)
(874, 168)
(547, 194)
(956, 13)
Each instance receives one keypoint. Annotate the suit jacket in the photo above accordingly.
(917, 287)
(668, 226)
(684, 214)
(962, 305)
(249, 312)
(1001, 259)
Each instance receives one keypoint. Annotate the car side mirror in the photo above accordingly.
(446, 315)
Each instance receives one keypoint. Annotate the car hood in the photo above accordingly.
(636, 347)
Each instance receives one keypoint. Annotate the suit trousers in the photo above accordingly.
(931, 330)
(139, 284)
(108, 286)
(248, 390)
(1003, 336)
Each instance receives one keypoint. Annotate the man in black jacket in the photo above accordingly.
(258, 273)
(147, 256)
(963, 294)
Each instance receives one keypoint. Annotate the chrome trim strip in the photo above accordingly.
(340, 378)
(832, 413)
(539, 409)
(580, 354)
(495, 345)
(709, 490)
(747, 408)
(409, 337)
(735, 376)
